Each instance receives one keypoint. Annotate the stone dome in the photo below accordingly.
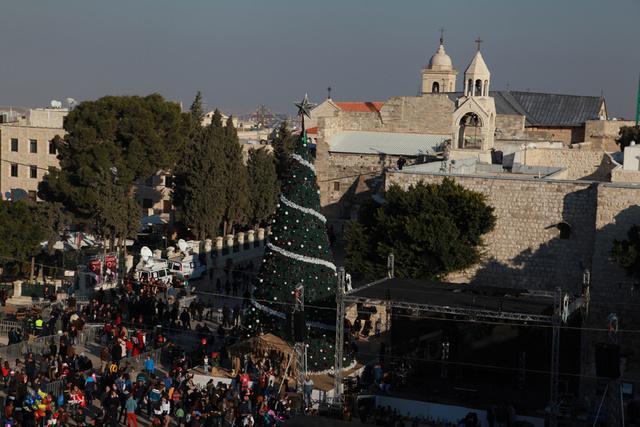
(440, 60)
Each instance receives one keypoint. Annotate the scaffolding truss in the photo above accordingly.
(563, 307)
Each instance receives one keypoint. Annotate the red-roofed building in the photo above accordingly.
(360, 106)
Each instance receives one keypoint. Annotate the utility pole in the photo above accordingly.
(555, 356)
(300, 347)
(339, 350)
(638, 103)
(391, 273)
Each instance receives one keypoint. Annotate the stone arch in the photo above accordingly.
(435, 87)
(470, 131)
(477, 88)
(469, 87)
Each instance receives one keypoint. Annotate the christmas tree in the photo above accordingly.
(298, 254)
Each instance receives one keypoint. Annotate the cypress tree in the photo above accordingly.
(282, 142)
(236, 180)
(201, 184)
(263, 185)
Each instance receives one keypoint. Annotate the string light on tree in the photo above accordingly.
(299, 251)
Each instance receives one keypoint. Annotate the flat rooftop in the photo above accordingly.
(455, 296)
(471, 166)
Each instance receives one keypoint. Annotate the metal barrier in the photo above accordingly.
(37, 346)
(7, 325)
(137, 362)
(55, 388)
(185, 302)
(89, 333)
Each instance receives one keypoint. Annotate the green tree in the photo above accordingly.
(628, 134)
(22, 232)
(282, 141)
(196, 112)
(263, 185)
(432, 230)
(110, 145)
(298, 254)
(626, 253)
(236, 180)
(199, 185)
(54, 219)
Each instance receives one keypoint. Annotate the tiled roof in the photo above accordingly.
(549, 109)
(545, 109)
(312, 131)
(360, 107)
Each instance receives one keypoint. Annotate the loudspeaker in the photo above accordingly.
(299, 326)
(608, 360)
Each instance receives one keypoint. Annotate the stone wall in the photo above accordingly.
(429, 113)
(603, 133)
(47, 117)
(587, 164)
(509, 126)
(566, 135)
(612, 291)
(344, 176)
(620, 175)
(525, 250)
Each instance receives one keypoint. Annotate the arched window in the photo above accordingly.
(470, 131)
(470, 87)
(435, 88)
(478, 88)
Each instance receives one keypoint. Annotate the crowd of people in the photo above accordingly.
(144, 369)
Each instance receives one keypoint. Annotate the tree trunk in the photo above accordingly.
(33, 268)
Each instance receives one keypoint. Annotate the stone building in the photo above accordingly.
(26, 150)
(549, 232)
(356, 141)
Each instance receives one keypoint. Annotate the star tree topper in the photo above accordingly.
(304, 107)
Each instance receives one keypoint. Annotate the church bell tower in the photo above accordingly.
(439, 75)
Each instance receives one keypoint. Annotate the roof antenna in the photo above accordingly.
(329, 92)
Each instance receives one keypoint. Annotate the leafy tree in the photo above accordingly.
(199, 184)
(263, 185)
(54, 220)
(237, 207)
(111, 144)
(626, 253)
(22, 232)
(432, 229)
(298, 254)
(628, 134)
(282, 141)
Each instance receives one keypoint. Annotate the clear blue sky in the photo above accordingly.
(242, 53)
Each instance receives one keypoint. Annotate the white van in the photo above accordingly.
(187, 267)
(154, 272)
(152, 269)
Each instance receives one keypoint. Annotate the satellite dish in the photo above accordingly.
(71, 102)
(182, 245)
(55, 104)
(145, 254)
